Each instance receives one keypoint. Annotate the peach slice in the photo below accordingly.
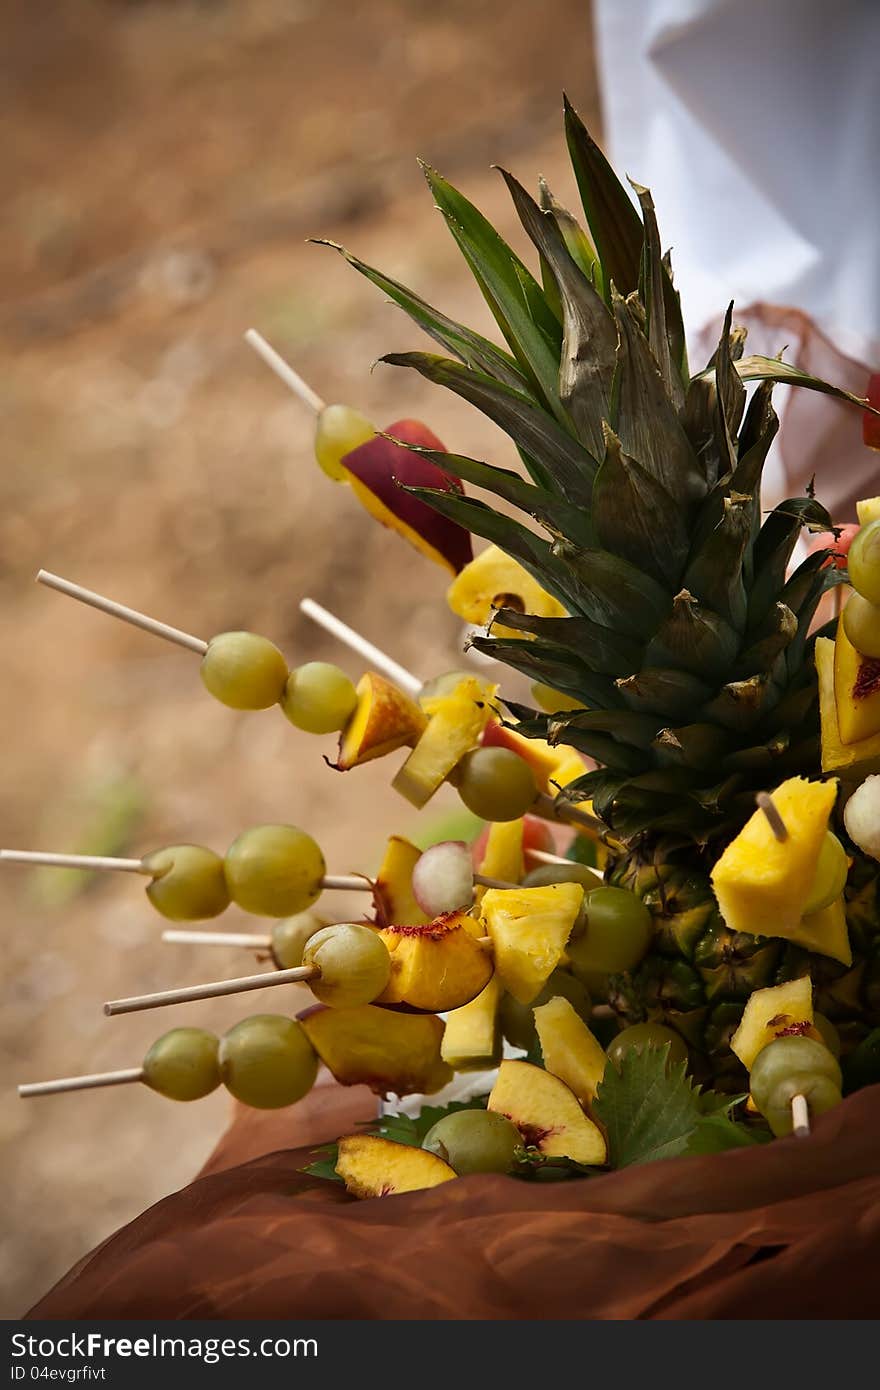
(529, 928)
(374, 1167)
(437, 966)
(456, 721)
(570, 1050)
(376, 470)
(856, 690)
(546, 1113)
(384, 719)
(393, 895)
(495, 580)
(776, 1012)
(472, 1040)
(852, 760)
(389, 1052)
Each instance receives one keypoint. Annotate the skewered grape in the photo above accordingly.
(267, 1061)
(861, 623)
(787, 1057)
(829, 880)
(318, 697)
(188, 883)
(274, 870)
(616, 934)
(244, 671)
(353, 961)
(289, 937)
(183, 1064)
(495, 783)
(340, 429)
(863, 562)
(642, 1035)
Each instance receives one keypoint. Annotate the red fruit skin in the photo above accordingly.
(536, 835)
(839, 548)
(380, 465)
(871, 423)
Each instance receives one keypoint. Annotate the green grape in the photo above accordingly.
(642, 1035)
(819, 1091)
(863, 562)
(829, 880)
(267, 1061)
(274, 870)
(353, 961)
(828, 1032)
(183, 1064)
(786, 1057)
(616, 936)
(318, 697)
(861, 623)
(339, 430)
(517, 1020)
(495, 783)
(442, 685)
(189, 883)
(474, 1141)
(289, 937)
(244, 671)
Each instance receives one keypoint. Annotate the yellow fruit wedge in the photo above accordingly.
(374, 1167)
(384, 719)
(454, 726)
(379, 1048)
(503, 857)
(472, 1039)
(529, 928)
(854, 761)
(868, 510)
(546, 1113)
(771, 1013)
(437, 966)
(825, 933)
(856, 690)
(570, 1050)
(493, 580)
(762, 885)
(392, 891)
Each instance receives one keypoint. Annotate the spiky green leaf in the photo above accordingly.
(635, 517)
(613, 221)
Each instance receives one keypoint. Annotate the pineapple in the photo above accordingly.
(681, 638)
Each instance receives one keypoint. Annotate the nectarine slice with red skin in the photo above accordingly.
(392, 1053)
(384, 719)
(546, 1113)
(376, 471)
(374, 1167)
(437, 966)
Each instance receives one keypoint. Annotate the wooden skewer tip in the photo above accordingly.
(284, 371)
(766, 804)
(800, 1117)
(119, 610)
(215, 989)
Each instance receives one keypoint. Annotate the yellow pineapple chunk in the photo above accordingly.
(771, 1013)
(569, 1049)
(494, 580)
(455, 723)
(763, 884)
(868, 510)
(825, 933)
(503, 857)
(546, 1113)
(856, 690)
(529, 928)
(472, 1039)
(854, 761)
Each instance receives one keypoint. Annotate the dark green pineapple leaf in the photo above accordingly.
(600, 787)
(740, 704)
(648, 1107)
(589, 336)
(714, 574)
(565, 466)
(770, 369)
(774, 546)
(611, 216)
(645, 419)
(531, 329)
(699, 746)
(469, 347)
(654, 276)
(730, 397)
(555, 666)
(694, 638)
(635, 517)
(580, 248)
(778, 631)
(602, 649)
(664, 691)
(559, 516)
(759, 757)
(638, 730)
(613, 592)
(760, 422)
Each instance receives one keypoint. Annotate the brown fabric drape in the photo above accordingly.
(790, 1230)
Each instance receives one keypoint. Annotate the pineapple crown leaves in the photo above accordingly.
(645, 482)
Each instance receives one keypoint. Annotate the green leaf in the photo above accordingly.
(555, 666)
(716, 1133)
(635, 517)
(604, 650)
(613, 592)
(590, 338)
(469, 347)
(324, 1167)
(611, 216)
(580, 248)
(648, 1107)
(531, 329)
(564, 464)
(757, 368)
(715, 572)
(654, 276)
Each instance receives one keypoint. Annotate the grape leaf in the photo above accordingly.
(325, 1167)
(717, 1132)
(649, 1108)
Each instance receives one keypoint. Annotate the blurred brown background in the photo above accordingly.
(163, 164)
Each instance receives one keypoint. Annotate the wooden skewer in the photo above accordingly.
(777, 824)
(372, 654)
(284, 371)
(119, 610)
(218, 938)
(800, 1117)
(541, 856)
(72, 861)
(551, 809)
(213, 990)
(81, 1083)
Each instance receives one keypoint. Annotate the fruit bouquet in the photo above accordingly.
(666, 943)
